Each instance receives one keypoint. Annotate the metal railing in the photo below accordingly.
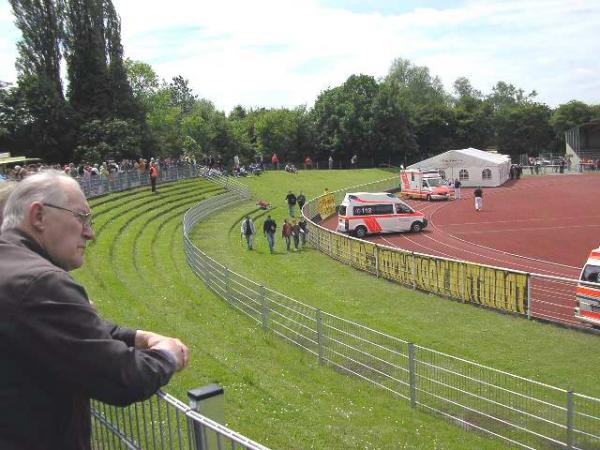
(162, 422)
(519, 411)
(97, 185)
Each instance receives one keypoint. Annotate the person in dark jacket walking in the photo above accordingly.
(269, 228)
(478, 194)
(247, 230)
(303, 232)
(56, 352)
(301, 201)
(296, 232)
(291, 201)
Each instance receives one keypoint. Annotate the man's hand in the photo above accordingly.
(150, 340)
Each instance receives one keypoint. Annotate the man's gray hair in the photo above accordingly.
(44, 187)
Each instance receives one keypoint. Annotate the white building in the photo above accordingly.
(471, 166)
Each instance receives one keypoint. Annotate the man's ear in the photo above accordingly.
(36, 216)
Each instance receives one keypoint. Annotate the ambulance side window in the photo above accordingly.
(591, 274)
(403, 209)
(425, 183)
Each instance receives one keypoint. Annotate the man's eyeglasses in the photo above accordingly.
(85, 218)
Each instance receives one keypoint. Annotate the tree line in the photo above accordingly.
(112, 108)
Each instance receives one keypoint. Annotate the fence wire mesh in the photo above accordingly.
(161, 422)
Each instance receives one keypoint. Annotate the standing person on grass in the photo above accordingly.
(478, 198)
(248, 231)
(56, 352)
(301, 201)
(303, 231)
(286, 233)
(296, 231)
(153, 176)
(269, 228)
(291, 201)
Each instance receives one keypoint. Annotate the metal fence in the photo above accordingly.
(95, 186)
(162, 422)
(519, 411)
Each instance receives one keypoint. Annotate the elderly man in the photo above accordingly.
(56, 352)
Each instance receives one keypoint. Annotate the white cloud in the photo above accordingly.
(284, 52)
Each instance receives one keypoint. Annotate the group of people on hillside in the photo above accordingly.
(293, 231)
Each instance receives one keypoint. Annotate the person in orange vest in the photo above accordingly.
(153, 175)
(275, 161)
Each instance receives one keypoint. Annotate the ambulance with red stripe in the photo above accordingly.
(588, 291)
(363, 213)
(424, 184)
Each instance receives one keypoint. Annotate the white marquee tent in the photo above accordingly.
(471, 166)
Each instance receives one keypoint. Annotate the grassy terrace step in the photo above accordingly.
(137, 274)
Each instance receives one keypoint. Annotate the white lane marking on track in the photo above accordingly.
(491, 249)
(543, 261)
(524, 267)
(508, 230)
(515, 220)
(495, 250)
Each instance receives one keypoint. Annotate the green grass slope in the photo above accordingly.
(137, 275)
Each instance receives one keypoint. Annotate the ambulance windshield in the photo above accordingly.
(591, 273)
(342, 210)
(435, 182)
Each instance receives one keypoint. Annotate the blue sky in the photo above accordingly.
(277, 53)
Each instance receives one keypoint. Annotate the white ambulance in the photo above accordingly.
(424, 184)
(588, 290)
(363, 213)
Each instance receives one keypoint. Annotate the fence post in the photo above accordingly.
(320, 337)
(376, 260)
(414, 271)
(265, 307)
(349, 252)
(529, 296)
(412, 374)
(570, 418)
(208, 401)
(226, 283)
(330, 234)
(463, 282)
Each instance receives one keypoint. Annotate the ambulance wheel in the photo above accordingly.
(360, 232)
(416, 227)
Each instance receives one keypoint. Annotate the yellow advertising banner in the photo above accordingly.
(492, 287)
(326, 205)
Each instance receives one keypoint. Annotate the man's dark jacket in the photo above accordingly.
(56, 353)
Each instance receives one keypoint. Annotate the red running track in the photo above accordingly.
(545, 225)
